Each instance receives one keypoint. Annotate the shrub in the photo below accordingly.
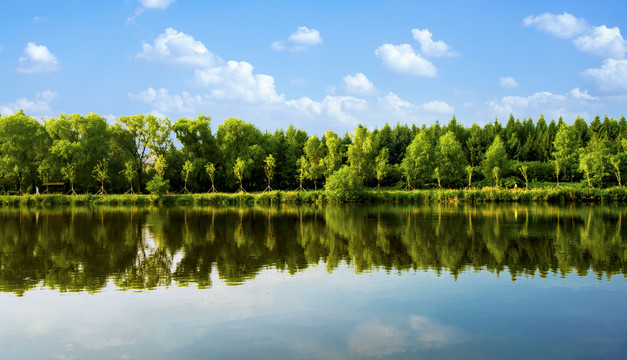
(158, 185)
(344, 185)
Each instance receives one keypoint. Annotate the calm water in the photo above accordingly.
(332, 282)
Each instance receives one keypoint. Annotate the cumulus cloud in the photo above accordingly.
(337, 107)
(611, 76)
(302, 39)
(438, 107)
(403, 59)
(583, 95)
(176, 47)
(163, 102)
(235, 81)
(594, 40)
(155, 4)
(602, 41)
(508, 82)
(37, 59)
(40, 106)
(394, 102)
(563, 26)
(428, 47)
(574, 103)
(358, 84)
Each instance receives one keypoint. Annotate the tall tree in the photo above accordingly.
(418, 163)
(142, 136)
(315, 165)
(360, 153)
(450, 159)
(566, 153)
(495, 157)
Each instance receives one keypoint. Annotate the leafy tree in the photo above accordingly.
(495, 157)
(315, 165)
(419, 158)
(239, 139)
(381, 165)
(360, 152)
(269, 169)
(566, 152)
(101, 173)
(302, 171)
(476, 145)
(469, 170)
(142, 136)
(344, 185)
(198, 146)
(333, 158)
(158, 185)
(593, 161)
(437, 176)
(450, 159)
(239, 169)
(129, 174)
(69, 173)
(211, 170)
(44, 175)
(187, 169)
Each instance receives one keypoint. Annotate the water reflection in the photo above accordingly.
(82, 248)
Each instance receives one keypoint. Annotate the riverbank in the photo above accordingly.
(488, 194)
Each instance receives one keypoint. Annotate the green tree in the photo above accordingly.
(450, 159)
(301, 164)
(211, 171)
(344, 185)
(593, 161)
(523, 170)
(158, 185)
(469, 170)
(615, 161)
(198, 146)
(187, 169)
(269, 165)
(496, 156)
(239, 169)
(44, 175)
(333, 158)
(315, 165)
(381, 165)
(238, 139)
(496, 175)
(129, 175)
(566, 145)
(360, 152)
(418, 162)
(69, 173)
(101, 174)
(142, 136)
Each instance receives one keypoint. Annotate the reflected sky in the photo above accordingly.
(318, 315)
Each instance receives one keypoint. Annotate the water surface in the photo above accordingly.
(434, 281)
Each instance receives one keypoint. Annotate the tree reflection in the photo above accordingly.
(84, 248)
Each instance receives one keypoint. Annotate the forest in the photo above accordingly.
(143, 153)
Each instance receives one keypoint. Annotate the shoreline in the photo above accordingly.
(488, 194)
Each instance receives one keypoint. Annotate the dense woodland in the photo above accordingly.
(139, 153)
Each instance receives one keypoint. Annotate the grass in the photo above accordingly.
(551, 194)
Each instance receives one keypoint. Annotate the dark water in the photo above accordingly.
(333, 282)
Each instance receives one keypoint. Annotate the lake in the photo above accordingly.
(485, 281)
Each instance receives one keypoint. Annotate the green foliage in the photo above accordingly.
(496, 156)
(451, 160)
(158, 185)
(269, 165)
(566, 153)
(345, 185)
(381, 165)
(361, 153)
(418, 162)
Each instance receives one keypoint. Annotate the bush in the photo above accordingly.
(345, 185)
(158, 186)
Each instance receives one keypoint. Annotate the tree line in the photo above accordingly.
(138, 154)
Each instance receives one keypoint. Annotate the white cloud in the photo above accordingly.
(37, 19)
(508, 82)
(358, 84)
(36, 59)
(439, 107)
(563, 26)
(570, 105)
(583, 95)
(40, 106)
(336, 107)
(611, 76)
(602, 41)
(235, 81)
(394, 102)
(302, 39)
(428, 47)
(299, 82)
(403, 59)
(155, 4)
(176, 47)
(163, 102)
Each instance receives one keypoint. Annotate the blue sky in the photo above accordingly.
(319, 65)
